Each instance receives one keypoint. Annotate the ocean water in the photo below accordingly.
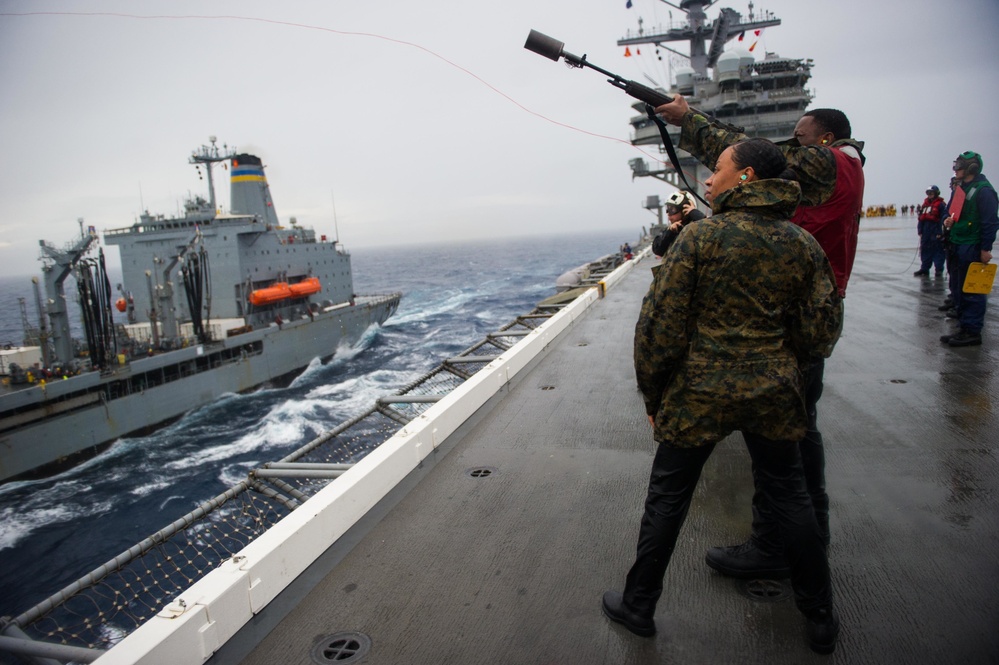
(53, 531)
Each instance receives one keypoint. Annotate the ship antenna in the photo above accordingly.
(336, 226)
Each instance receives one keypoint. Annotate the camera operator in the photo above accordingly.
(680, 211)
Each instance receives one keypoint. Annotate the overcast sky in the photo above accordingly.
(428, 121)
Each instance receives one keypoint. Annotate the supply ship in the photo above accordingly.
(215, 303)
(763, 97)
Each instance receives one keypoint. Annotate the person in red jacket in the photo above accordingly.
(930, 230)
(828, 163)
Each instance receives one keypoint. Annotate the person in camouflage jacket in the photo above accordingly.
(741, 301)
(828, 165)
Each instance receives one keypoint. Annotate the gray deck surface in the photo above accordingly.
(510, 568)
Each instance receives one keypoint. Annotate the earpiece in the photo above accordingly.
(825, 141)
(743, 176)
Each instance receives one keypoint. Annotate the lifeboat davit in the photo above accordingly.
(284, 291)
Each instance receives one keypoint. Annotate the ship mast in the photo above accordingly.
(209, 156)
(698, 32)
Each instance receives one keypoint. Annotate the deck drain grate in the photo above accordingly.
(548, 387)
(341, 648)
(481, 471)
(764, 591)
(897, 381)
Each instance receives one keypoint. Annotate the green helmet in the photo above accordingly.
(970, 162)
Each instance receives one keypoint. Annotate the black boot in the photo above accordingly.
(615, 610)
(747, 561)
(823, 630)
(965, 338)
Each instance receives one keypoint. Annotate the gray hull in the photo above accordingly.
(87, 411)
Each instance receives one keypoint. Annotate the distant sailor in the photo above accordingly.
(930, 231)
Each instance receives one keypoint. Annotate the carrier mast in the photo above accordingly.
(698, 32)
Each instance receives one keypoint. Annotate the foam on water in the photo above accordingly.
(16, 524)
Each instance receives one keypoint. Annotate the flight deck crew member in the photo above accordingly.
(828, 165)
(930, 230)
(970, 240)
(739, 302)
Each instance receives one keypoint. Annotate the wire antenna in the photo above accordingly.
(336, 226)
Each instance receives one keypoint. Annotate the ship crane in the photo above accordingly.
(164, 295)
(58, 264)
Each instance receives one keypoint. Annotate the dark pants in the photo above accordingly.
(813, 460)
(970, 306)
(675, 473)
(951, 258)
(931, 249)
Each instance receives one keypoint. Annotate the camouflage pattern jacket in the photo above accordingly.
(741, 300)
(815, 166)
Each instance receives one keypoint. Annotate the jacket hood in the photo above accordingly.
(856, 145)
(771, 198)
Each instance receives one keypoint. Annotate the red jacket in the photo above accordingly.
(836, 222)
(932, 210)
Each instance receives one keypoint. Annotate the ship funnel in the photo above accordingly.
(248, 190)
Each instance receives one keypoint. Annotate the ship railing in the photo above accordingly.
(101, 608)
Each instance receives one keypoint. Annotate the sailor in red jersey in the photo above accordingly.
(829, 166)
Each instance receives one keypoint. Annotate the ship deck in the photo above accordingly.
(510, 567)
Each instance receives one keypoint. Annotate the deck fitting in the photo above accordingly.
(480, 471)
(764, 591)
(349, 647)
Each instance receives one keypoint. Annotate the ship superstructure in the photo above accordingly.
(214, 302)
(764, 97)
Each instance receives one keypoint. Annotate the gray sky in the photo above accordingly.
(428, 121)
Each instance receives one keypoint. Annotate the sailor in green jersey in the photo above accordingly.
(972, 230)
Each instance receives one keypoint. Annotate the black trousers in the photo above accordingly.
(813, 459)
(674, 476)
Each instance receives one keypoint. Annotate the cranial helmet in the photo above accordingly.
(678, 199)
(970, 161)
